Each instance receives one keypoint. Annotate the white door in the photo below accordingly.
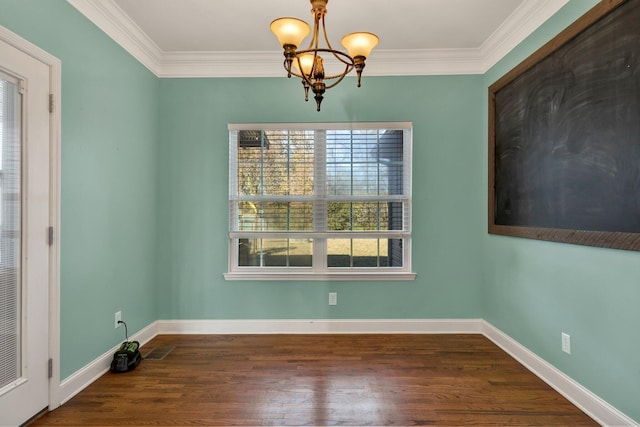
(24, 246)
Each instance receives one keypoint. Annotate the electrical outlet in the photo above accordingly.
(333, 298)
(566, 343)
(118, 317)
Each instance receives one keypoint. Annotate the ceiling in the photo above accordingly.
(227, 38)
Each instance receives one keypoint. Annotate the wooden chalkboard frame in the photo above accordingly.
(608, 239)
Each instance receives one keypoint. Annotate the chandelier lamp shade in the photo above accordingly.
(308, 64)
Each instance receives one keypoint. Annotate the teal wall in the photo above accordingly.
(144, 210)
(108, 205)
(447, 197)
(534, 291)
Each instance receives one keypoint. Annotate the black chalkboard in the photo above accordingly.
(564, 158)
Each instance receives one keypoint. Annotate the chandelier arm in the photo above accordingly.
(313, 42)
(293, 73)
(341, 56)
(337, 54)
(326, 39)
(339, 77)
(318, 13)
(348, 67)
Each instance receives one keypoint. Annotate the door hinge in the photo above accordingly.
(50, 236)
(50, 368)
(50, 103)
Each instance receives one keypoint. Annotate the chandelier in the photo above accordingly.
(308, 64)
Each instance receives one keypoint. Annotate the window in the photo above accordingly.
(320, 201)
(10, 235)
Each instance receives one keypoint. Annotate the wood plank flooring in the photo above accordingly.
(239, 380)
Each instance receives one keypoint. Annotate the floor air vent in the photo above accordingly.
(158, 353)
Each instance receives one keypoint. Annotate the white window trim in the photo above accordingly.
(314, 273)
(349, 276)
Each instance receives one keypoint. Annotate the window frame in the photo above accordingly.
(319, 270)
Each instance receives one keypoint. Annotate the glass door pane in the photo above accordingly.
(10, 230)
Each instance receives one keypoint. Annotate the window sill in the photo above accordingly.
(315, 276)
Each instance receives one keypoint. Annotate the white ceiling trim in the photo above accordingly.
(110, 18)
(522, 22)
(270, 64)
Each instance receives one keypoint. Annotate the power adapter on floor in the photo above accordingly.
(128, 356)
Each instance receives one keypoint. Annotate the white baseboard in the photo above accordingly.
(321, 326)
(80, 379)
(588, 402)
(591, 404)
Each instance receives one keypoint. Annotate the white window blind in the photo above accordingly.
(10, 248)
(320, 198)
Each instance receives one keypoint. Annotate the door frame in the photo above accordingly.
(55, 88)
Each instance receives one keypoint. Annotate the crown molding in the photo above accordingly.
(221, 64)
(111, 19)
(523, 21)
(269, 64)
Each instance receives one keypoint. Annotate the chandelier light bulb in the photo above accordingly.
(360, 44)
(306, 62)
(290, 31)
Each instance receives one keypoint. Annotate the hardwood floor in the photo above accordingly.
(211, 380)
